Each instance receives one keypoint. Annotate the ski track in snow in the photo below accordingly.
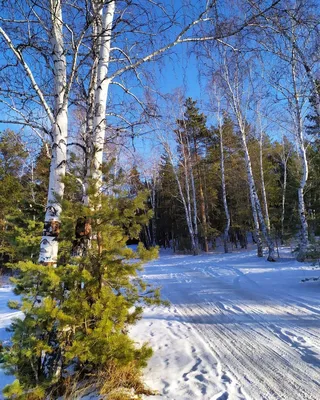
(238, 328)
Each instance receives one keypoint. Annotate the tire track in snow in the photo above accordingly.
(206, 371)
(266, 364)
(296, 307)
(307, 354)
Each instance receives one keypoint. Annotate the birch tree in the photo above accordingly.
(277, 25)
(42, 41)
(300, 139)
(181, 163)
(185, 196)
(114, 59)
(102, 76)
(151, 174)
(217, 99)
(292, 83)
(263, 188)
(239, 98)
(53, 109)
(284, 158)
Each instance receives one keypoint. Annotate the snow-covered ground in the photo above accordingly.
(238, 328)
(6, 316)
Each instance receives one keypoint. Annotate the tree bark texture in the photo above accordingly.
(49, 242)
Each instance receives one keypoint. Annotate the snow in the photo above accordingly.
(6, 316)
(238, 327)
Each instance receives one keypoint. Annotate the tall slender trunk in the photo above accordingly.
(185, 201)
(224, 191)
(283, 202)
(83, 234)
(255, 202)
(147, 235)
(154, 217)
(304, 239)
(187, 207)
(203, 215)
(49, 242)
(255, 218)
(195, 216)
(192, 231)
(202, 207)
(101, 89)
(263, 187)
(95, 119)
(284, 192)
(189, 170)
(236, 102)
(89, 128)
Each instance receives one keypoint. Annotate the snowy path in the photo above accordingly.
(238, 328)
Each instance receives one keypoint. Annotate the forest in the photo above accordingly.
(133, 127)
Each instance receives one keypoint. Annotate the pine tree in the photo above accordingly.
(77, 314)
(12, 191)
(314, 117)
(171, 223)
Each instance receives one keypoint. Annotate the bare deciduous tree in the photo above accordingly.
(233, 73)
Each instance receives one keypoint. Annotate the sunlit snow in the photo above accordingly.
(238, 327)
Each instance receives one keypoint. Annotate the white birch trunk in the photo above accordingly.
(188, 203)
(304, 239)
(236, 102)
(185, 202)
(263, 188)
(253, 196)
(255, 202)
(189, 169)
(101, 90)
(49, 243)
(224, 191)
(187, 208)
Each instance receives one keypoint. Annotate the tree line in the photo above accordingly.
(201, 187)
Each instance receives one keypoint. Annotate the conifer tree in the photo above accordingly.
(171, 224)
(13, 156)
(74, 333)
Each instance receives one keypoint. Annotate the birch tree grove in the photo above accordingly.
(75, 44)
(239, 98)
(185, 197)
(294, 84)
